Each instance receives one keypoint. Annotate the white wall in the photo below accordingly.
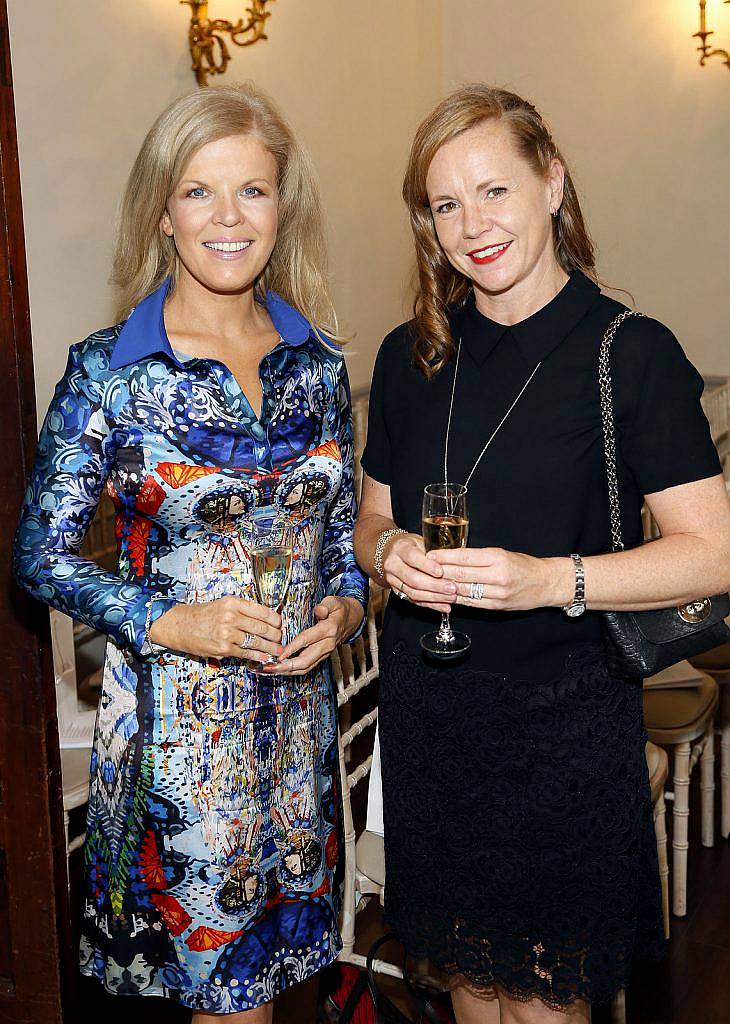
(645, 129)
(90, 78)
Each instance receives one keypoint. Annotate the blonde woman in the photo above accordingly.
(519, 844)
(219, 404)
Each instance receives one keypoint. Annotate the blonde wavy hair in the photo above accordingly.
(144, 256)
(440, 285)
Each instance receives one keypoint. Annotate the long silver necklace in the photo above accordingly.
(496, 429)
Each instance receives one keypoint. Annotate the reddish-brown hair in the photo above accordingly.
(440, 285)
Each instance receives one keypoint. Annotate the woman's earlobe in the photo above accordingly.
(166, 225)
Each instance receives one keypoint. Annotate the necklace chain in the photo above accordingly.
(496, 429)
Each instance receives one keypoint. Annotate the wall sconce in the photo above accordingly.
(704, 50)
(208, 47)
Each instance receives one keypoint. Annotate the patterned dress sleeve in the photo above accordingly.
(342, 575)
(75, 451)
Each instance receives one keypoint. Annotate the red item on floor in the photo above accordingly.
(350, 1002)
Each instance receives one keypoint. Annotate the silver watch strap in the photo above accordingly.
(609, 430)
(579, 597)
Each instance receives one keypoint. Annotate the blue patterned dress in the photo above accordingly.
(214, 828)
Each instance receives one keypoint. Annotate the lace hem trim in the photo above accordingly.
(490, 977)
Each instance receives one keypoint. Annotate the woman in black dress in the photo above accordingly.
(520, 852)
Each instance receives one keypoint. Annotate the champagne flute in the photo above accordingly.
(445, 525)
(271, 558)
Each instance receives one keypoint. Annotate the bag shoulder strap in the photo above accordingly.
(421, 1006)
(609, 429)
(353, 998)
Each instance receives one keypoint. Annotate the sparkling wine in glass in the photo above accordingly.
(445, 525)
(272, 562)
(271, 557)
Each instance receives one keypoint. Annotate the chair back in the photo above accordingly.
(75, 720)
(355, 667)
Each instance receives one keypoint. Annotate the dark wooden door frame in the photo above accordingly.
(36, 958)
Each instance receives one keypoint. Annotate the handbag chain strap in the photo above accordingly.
(609, 430)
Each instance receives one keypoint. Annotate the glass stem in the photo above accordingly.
(445, 632)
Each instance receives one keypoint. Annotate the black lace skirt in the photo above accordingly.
(519, 840)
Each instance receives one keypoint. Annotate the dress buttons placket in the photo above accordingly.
(260, 432)
(261, 448)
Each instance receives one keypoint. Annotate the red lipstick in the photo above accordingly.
(490, 253)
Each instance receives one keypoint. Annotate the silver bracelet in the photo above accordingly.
(383, 539)
(149, 646)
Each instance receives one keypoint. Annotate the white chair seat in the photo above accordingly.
(75, 776)
(370, 858)
(677, 717)
(75, 783)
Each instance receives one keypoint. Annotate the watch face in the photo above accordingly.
(574, 610)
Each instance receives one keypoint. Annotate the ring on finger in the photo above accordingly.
(476, 591)
(248, 639)
(401, 592)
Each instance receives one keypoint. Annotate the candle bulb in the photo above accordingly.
(706, 52)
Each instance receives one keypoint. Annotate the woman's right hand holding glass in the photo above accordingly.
(220, 629)
(408, 570)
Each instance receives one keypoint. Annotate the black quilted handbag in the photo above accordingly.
(643, 643)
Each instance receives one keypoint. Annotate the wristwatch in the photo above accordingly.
(578, 605)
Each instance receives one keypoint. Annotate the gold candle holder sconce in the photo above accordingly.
(208, 47)
(704, 34)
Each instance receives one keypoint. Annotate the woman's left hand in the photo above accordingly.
(511, 581)
(337, 619)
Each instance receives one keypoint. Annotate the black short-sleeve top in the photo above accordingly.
(541, 486)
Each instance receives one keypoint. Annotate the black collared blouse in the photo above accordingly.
(541, 486)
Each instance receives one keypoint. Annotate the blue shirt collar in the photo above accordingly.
(144, 334)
